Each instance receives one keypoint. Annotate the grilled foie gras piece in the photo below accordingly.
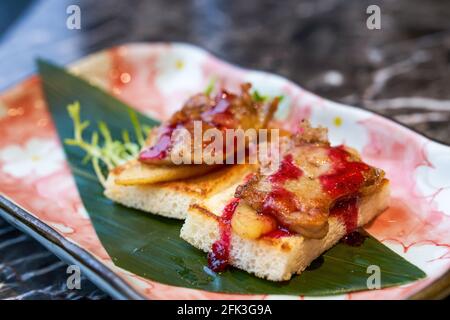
(311, 178)
(224, 111)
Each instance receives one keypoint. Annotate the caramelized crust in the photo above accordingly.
(224, 111)
(312, 177)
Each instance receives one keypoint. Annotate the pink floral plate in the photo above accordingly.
(38, 193)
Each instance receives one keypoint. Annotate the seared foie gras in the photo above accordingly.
(311, 178)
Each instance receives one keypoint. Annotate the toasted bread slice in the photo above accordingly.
(275, 259)
(173, 198)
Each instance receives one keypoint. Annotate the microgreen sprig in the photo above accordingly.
(111, 152)
(210, 88)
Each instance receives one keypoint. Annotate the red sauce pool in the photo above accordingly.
(219, 255)
(347, 177)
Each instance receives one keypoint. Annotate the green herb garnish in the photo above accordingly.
(111, 152)
(210, 88)
(258, 97)
(264, 98)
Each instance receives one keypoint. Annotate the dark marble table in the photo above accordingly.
(401, 70)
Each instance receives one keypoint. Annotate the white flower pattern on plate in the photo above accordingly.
(38, 157)
(185, 65)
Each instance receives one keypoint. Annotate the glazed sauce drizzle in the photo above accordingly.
(219, 115)
(345, 181)
(160, 149)
(287, 171)
(347, 176)
(219, 255)
(347, 211)
(279, 197)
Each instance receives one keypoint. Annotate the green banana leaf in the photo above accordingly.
(150, 246)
